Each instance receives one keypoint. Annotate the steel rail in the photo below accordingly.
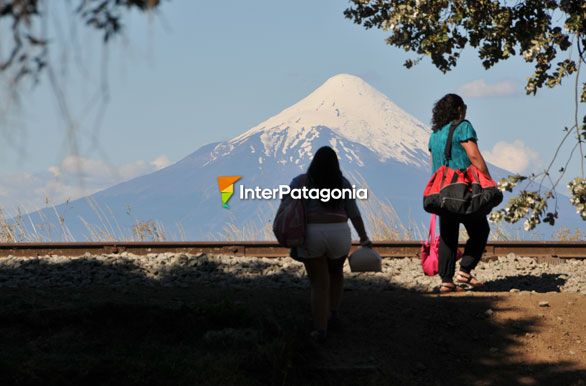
(389, 248)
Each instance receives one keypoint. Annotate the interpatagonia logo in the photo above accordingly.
(226, 185)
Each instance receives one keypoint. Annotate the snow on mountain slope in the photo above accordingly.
(352, 109)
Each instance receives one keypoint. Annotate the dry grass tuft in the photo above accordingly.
(566, 234)
(148, 231)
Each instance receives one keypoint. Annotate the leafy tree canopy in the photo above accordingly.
(441, 29)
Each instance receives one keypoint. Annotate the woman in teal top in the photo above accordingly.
(452, 109)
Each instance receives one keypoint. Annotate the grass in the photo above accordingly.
(259, 228)
(566, 234)
(19, 226)
(380, 216)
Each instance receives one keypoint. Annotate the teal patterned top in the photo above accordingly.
(437, 143)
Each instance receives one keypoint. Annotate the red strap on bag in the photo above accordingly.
(430, 250)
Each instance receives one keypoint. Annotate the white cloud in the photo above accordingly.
(514, 156)
(480, 89)
(78, 165)
(160, 162)
(134, 169)
(54, 170)
(72, 178)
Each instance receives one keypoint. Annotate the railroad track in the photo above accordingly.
(390, 249)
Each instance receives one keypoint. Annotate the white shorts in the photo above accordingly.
(332, 240)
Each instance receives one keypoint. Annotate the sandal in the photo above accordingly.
(467, 281)
(449, 287)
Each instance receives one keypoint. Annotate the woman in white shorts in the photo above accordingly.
(328, 237)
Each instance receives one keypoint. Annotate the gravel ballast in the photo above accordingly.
(509, 273)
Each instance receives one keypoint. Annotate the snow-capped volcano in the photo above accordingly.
(354, 111)
(380, 147)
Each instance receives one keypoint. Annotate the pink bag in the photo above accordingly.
(429, 251)
(289, 223)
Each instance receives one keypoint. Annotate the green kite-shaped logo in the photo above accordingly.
(226, 185)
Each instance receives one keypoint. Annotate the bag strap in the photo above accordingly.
(431, 234)
(448, 148)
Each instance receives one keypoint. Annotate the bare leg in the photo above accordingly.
(336, 269)
(317, 270)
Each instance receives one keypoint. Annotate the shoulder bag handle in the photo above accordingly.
(431, 234)
(448, 148)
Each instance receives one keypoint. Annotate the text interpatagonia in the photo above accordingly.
(305, 193)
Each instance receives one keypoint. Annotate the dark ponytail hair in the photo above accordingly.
(446, 110)
(324, 172)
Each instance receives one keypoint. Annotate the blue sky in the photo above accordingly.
(205, 71)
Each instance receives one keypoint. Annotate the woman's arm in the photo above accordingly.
(361, 230)
(475, 157)
(354, 215)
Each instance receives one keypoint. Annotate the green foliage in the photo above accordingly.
(441, 30)
(526, 204)
(510, 182)
(577, 189)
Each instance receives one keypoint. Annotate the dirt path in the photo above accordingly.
(474, 339)
(391, 337)
(403, 338)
